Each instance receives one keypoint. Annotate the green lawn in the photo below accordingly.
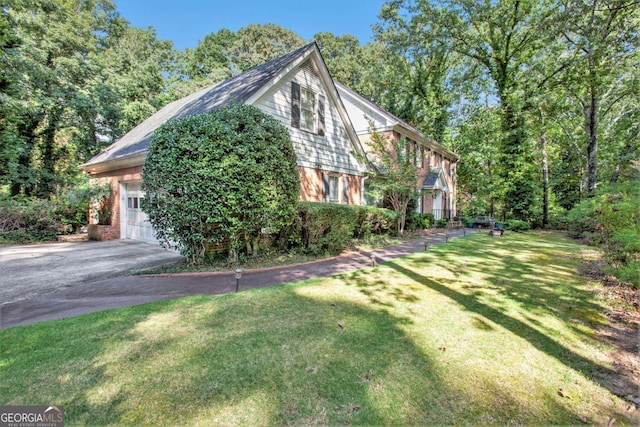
(478, 331)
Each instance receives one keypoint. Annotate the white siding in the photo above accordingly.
(360, 114)
(331, 152)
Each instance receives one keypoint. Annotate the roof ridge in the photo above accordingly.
(237, 88)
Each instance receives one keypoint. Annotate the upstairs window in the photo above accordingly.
(307, 109)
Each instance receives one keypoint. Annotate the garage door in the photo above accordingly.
(137, 226)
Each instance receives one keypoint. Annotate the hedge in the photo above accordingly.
(325, 227)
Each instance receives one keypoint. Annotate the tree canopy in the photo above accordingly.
(539, 97)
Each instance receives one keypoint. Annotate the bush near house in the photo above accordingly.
(416, 221)
(227, 175)
(29, 220)
(325, 227)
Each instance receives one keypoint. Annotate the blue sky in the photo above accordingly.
(187, 21)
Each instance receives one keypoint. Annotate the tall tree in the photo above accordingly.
(256, 44)
(478, 183)
(12, 145)
(499, 37)
(422, 60)
(600, 42)
(54, 57)
(132, 77)
(80, 76)
(212, 57)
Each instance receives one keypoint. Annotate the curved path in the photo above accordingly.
(125, 291)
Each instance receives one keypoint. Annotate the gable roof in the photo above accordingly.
(435, 180)
(394, 122)
(131, 148)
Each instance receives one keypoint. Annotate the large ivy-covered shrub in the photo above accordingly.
(225, 176)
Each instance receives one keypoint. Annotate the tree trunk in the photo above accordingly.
(545, 182)
(591, 130)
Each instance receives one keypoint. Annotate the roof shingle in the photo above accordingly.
(233, 90)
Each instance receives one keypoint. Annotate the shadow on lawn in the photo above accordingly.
(534, 278)
(271, 357)
(520, 283)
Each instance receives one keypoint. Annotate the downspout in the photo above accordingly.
(363, 200)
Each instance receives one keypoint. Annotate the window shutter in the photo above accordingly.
(321, 115)
(295, 105)
(345, 189)
(325, 187)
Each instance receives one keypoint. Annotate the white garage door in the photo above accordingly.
(137, 225)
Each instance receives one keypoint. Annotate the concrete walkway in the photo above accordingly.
(132, 290)
(28, 271)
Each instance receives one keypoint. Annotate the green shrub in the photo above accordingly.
(426, 222)
(373, 220)
(29, 219)
(418, 221)
(442, 223)
(623, 246)
(629, 273)
(611, 220)
(328, 228)
(26, 220)
(228, 175)
(431, 218)
(517, 225)
(559, 221)
(412, 221)
(584, 223)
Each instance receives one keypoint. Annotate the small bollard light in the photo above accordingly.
(373, 260)
(238, 277)
(426, 245)
(464, 232)
(446, 238)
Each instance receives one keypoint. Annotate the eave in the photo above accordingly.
(136, 159)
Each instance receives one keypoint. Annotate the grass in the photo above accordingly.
(479, 331)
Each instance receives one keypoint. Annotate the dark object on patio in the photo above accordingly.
(498, 230)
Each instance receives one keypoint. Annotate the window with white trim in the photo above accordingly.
(307, 110)
(334, 190)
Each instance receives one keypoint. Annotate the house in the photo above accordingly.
(329, 128)
(297, 89)
(436, 165)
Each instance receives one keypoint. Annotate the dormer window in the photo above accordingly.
(307, 109)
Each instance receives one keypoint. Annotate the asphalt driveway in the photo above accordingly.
(47, 298)
(27, 271)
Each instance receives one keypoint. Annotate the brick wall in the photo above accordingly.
(114, 179)
(311, 186)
